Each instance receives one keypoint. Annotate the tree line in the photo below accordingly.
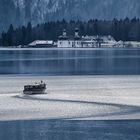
(125, 30)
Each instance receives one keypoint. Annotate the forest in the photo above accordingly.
(123, 29)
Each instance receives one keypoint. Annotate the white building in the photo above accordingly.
(67, 42)
(41, 43)
(85, 41)
(98, 41)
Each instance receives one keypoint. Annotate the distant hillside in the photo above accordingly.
(19, 12)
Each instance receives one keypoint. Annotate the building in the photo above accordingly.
(76, 41)
(98, 41)
(65, 41)
(89, 42)
(41, 44)
(69, 42)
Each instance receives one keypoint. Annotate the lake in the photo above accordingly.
(60, 61)
(70, 130)
(93, 61)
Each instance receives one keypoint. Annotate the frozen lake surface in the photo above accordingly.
(72, 97)
(76, 107)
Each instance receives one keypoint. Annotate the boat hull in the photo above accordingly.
(34, 92)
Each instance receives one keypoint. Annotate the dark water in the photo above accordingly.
(70, 130)
(70, 62)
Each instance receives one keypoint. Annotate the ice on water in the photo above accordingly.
(71, 97)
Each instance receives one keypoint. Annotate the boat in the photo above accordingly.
(37, 88)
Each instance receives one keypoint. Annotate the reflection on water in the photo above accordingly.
(70, 62)
(70, 130)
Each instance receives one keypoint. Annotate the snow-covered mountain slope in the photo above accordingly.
(20, 12)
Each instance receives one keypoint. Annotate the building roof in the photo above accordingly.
(41, 42)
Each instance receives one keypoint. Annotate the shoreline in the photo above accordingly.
(66, 48)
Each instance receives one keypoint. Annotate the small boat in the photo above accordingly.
(37, 88)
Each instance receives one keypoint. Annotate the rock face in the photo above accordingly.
(19, 12)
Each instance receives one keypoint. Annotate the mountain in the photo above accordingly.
(19, 12)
